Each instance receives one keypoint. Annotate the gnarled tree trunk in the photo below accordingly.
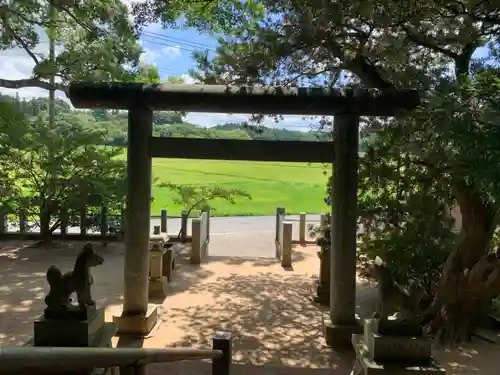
(471, 274)
(45, 217)
(47, 210)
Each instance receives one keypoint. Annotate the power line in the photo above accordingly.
(178, 40)
(165, 44)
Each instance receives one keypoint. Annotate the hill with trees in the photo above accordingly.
(165, 124)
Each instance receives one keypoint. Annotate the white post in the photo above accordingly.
(286, 246)
(302, 228)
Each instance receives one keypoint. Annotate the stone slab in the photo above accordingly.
(137, 324)
(392, 348)
(365, 365)
(158, 238)
(156, 256)
(67, 333)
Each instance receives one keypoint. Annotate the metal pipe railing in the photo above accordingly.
(46, 360)
(25, 359)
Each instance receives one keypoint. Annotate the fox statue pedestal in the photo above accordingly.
(65, 324)
(68, 332)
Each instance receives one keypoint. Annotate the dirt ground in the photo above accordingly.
(268, 310)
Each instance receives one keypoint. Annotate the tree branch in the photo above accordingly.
(25, 19)
(21, 42)
(369, 74)
(16, 84)
(78, 21)
(423, 41)
(359, 65)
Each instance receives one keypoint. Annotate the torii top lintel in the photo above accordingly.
(242, 99)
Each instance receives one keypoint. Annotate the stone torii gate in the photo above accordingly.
(138, 317)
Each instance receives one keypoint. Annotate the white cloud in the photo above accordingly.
(149, 56)
(188, 80)
(212, 119)
(16, 64)
(171, 52)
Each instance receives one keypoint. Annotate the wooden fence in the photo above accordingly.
(99, 226)
(90, 227)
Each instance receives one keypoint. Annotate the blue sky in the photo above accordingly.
(171, 50)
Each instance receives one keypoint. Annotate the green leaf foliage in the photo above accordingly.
(57, 170)
(95, 41)
(198, 197)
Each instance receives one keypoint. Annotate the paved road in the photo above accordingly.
(238, 224)
(243, 236)
(218, 225)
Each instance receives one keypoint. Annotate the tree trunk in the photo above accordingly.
(471, 274)
(45, 227)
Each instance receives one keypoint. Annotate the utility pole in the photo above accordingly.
(52, 57)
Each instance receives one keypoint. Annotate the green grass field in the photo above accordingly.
(299, 187)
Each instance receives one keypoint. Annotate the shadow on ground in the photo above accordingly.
(271, 317)
(268, 310)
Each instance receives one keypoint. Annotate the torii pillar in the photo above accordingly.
(340, 323)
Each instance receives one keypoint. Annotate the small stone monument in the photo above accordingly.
(322, 285)
(157, 280)
(404, 349)
(65, 324)
(393, 344)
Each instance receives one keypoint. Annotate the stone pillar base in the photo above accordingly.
(158, 287)
(339, 336)
(137, 324)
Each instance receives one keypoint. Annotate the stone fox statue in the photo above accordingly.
(76, 281)
(392, 297)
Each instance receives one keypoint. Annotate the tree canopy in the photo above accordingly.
(95, 40)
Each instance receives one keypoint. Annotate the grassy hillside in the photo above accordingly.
(297, 186)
